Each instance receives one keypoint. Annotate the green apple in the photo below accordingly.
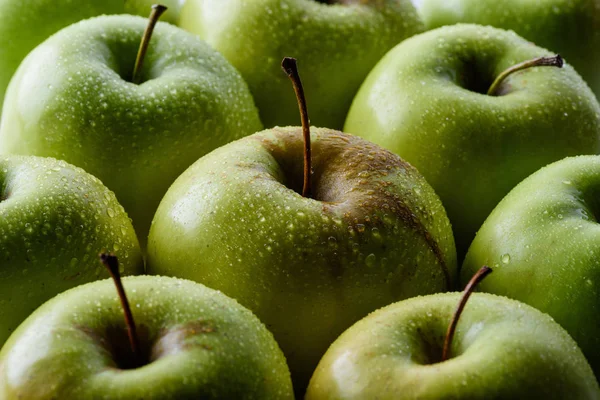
(544, 239)
(337, 44)
(72, 99)
(26, 23)
(197, 344)
(54, 220)
(502, 349)
(569, 27)
(427, 101)
(372, 233)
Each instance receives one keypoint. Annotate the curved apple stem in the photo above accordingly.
(555, 61)
(291, 69)
(157, 11)
(111, 262)
(478, 277)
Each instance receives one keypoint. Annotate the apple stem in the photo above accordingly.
(554, 61)
(290, 67)
(157, 11)
(478, 277)
(111, 262)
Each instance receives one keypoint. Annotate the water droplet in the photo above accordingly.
(370, 260)
(506, 258)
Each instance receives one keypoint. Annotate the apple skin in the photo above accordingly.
(136, 138)
(26, 23)
(202, 345)
(336, 46)
(571, 28)
(54, 220)
(502, 349)
(424, 102)
(374, 233)
(544, 240)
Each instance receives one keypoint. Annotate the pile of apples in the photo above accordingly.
(298, 260)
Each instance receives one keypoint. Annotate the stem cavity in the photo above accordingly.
(291, 69)
(157, 11)
(478, 277)
(555, 61)
(112, 264)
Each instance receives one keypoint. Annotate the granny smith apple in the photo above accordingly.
(502, 349)
(372, 232)
(197, 344)
(427, 101)
(337, 43)
(571, 28)
(544, 240)
(72, 98)
(26, 23)
(54, 220)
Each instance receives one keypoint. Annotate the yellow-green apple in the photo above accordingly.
(72, 98)
(195, 342)
(26, 23)
(502, 349)
(337, 43)
(570, 27)
(372, 232)
(427, 100)
(544, 240)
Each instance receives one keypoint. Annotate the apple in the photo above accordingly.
(571, 28)
(72, 98)
(309, 228)
(26, 23)
(427, 100)
(372, 233)
(502, 349)
(194, 343)
(54, 220)
(544, 240)
(336, 41)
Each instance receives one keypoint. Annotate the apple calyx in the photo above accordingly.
(290, 67)
(478, 277)
(554, 61)
(157, 11)
(111, 262)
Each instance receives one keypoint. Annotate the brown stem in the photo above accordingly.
(157, 11)
(478, 277)
(291, 69)
(112, 264)
(555, 61)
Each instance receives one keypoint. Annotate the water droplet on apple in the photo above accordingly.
(370, 260)
(506, 258)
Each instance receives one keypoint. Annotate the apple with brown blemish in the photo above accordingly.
(181, 340)
(371, 232)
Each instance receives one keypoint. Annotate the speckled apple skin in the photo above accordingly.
(569, 27)
(71, 99)
(336, 47)
(203, 345)
(471, 147)
(502, 349)
(54, 221)
(374, 233)
(544, 240)
(26, 23)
